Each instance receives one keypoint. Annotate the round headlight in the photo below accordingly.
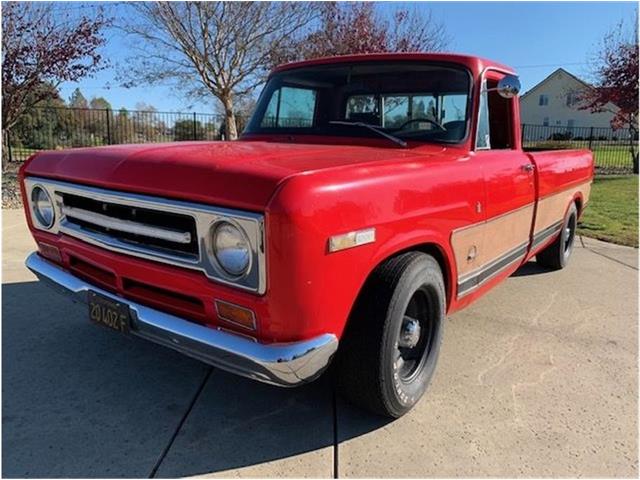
(42, 207)
(231, 248)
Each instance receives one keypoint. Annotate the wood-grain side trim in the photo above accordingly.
(470, 282)
(477, 246)
(552, 208)
(484, 249)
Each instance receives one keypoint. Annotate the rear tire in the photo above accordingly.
(556, 256)
(389, 350)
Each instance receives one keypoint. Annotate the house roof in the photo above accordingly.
(579, 80)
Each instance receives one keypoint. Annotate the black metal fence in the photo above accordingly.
(48, 128)
(59, 128)
(612, 149)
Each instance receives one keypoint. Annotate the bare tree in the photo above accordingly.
(40, 50)
(220, 48)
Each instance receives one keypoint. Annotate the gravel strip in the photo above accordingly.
(10, 191)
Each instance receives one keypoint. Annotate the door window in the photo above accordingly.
(290, 107)
(495, 119)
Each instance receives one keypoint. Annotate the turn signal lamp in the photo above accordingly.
(50, 252)
(352, 239)
(236, 315)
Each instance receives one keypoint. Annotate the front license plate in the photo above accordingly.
(109, 313)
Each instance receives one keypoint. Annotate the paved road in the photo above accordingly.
(539, 378)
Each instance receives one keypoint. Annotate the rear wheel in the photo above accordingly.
(389, 350)
(556, 256)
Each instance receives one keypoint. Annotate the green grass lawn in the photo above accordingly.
(612, 214)
(613, 156)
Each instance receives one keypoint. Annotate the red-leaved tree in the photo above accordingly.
(42, 48)
(616, 86)
(357, 27)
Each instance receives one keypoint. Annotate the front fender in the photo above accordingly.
(311, 289)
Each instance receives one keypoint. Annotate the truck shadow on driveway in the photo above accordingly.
(530, 268)
(82, 401)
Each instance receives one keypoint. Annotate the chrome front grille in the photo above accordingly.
(140, 226)
(154, 228)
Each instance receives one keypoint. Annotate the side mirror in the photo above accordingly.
(508, 86)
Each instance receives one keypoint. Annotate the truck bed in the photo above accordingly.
(558, 170)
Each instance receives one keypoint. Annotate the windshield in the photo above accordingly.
(411, 101)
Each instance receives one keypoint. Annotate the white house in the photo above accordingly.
(554, 102)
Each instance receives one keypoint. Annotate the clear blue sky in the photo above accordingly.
(534, 37)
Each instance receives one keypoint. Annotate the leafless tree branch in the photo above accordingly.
(223, 48)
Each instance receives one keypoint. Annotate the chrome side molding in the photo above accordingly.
(283, 364)
(472, 280)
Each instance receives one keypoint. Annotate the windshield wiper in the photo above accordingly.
(373, 128)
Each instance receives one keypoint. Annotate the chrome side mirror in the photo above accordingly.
(508, 86)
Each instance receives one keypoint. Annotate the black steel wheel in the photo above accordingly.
(556, 256)
(389, 350)
(415, 335)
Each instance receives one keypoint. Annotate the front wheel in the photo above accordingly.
(556, 256)
(389, 350)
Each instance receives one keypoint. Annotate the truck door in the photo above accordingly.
(510, 186)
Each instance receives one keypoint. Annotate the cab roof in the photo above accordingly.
(473, 63)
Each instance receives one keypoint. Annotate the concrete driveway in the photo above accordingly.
(537, 379)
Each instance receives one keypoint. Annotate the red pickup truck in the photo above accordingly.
(368, 197)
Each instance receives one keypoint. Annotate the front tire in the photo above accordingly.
(556, 256)
(389, 350)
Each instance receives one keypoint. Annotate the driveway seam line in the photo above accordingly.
(336, 472)
(166, 449)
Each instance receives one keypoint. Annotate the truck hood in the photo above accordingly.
(240, 174)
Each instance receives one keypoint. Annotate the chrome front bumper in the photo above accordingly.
(283, 364)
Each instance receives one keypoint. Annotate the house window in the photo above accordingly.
(571, 123)
(572, 99)
(545, 121)
(543, 100)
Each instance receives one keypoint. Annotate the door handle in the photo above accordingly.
(528, 167)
